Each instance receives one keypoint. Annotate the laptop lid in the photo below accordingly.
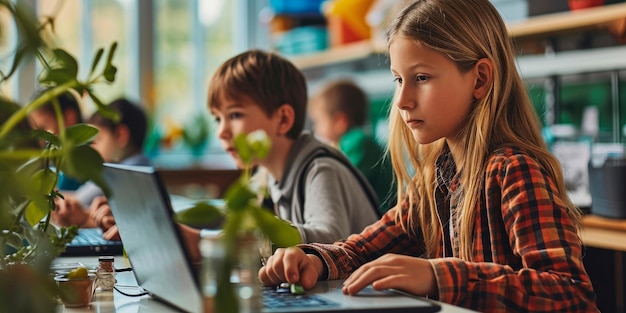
(157, 253)
(143, 214)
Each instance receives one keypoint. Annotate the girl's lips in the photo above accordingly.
(414, 123)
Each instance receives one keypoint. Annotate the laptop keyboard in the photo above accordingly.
(89, 242)
(277, 298)
(87, 238)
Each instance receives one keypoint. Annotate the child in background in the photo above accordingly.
(308, 182)
(45, 118)
(117, 143)
(483, 220)
(339, 112)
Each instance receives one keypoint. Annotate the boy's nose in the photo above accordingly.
(222, 131)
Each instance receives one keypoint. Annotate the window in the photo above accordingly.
(82, 27)
(167, 52)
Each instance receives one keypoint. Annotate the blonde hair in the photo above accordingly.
(465, 32)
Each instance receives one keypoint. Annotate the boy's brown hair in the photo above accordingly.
(265, 78)
(346, 97)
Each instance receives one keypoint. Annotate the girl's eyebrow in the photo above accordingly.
(415, 66)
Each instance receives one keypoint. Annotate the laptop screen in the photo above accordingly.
(143, 214)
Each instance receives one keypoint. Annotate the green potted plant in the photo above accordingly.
(243, 220)
(29, 171)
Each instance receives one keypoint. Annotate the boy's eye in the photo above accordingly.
(421, 78)
(397, 80)
(217, 119)
(235, 115)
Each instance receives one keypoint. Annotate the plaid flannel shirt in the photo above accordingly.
(527, 252)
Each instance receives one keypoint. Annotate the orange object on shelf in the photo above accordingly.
(346, 21)
(583, 4)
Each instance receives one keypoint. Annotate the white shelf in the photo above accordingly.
(611, 17)
(573, 62)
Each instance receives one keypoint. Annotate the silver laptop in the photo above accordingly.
(144, 215)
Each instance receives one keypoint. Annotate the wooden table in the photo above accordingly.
(610, 234)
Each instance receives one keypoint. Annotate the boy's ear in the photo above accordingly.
(122, 133)
(71, 117)
(341, 123)
(483, 71)
(286, 117)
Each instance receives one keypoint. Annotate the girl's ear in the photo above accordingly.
(484, 77)
(286, 117)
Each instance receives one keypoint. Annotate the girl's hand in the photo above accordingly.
(409, 274)
(291, 265)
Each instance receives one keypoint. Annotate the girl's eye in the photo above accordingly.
(421, 78)
(397, 80)
(216, 119)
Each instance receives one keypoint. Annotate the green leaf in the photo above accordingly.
(56, 76)
(109, 73)
(109, 69)
(67, 63)
(80, 134)
(241, 144)
(46, 136)
(111, 53)
(40, 186)
(278, 231)
(96, 60)
(82, 163)
(34, 213)
(259, 144)
(199, 215)
(238, 196)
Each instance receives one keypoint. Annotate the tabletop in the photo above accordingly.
(114, 301)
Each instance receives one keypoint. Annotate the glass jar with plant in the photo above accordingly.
(29, 170)
(236, 246)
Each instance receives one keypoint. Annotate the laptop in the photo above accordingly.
(161, 265)
(89, 242)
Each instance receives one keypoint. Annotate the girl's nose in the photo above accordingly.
(404, 99)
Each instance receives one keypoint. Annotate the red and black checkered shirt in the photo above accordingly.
(527, 252)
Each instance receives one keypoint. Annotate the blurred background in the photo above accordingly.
(572, 58)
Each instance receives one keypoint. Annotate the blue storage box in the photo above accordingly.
(303, 40)
(296, 6)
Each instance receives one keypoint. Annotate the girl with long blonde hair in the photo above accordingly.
(483, 219)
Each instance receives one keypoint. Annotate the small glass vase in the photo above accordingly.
(242, 283)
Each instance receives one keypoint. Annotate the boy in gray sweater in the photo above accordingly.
(310, 184)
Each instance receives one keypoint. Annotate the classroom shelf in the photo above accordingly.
(612, 16)
(609, 16)
(573, 62)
